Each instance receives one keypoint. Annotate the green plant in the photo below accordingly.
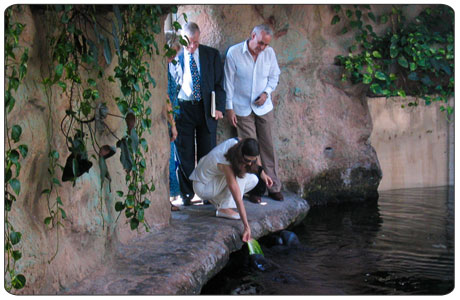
(15, 71)
(410, 58)
(79, 35)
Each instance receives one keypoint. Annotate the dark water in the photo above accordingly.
(401, 245)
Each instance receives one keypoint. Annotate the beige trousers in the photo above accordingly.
(260, 128)
(218, 193)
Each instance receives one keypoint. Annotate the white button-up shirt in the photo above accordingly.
(245, 79)
(184, 77)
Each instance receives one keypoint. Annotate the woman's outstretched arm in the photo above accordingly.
(238, 198)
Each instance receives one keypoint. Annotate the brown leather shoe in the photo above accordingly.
(255, 199)
(276, 196)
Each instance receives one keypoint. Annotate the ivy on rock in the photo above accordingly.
(409, 58)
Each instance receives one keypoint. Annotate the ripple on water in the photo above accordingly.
(401, 245)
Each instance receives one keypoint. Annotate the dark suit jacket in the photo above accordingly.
(212, 76)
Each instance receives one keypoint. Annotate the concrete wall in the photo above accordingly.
(415, 145)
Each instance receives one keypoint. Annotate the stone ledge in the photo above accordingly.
(181, 258)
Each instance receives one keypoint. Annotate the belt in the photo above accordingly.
(190, 102)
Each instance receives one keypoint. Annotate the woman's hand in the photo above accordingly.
(246, 234)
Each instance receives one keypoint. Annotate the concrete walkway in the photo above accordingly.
(182, 257)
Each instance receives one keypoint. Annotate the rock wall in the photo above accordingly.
(90, 231)
(321, 131)
(322, 125)
(415, 144)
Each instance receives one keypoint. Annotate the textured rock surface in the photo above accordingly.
(90, 232)
(181, 258)
(322, 125)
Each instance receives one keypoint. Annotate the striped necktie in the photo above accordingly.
(195, 79)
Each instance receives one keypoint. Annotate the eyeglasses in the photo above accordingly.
(249, 161)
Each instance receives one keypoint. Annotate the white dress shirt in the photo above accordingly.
(245, 79)
(184, 77)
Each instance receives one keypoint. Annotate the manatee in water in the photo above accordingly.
(289, 238)
(273, 240)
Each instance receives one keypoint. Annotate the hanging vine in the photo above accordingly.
(15, 71)
(76, 35)
(410, 58)
(79, 34)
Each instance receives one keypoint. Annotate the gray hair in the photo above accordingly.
(190, 28)
(262, 27)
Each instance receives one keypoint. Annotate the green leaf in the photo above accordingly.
(8, 174)
(18, 281)
(177, 25)
(47, 220)
(56, 181)
(17, 255)
(376, 89)
(144, 144)
(16, 132)
(59, 69)
(134, 223)
(120, 193)
(87, 94)
(64, 215)
(54, 154)
(377, 54)
(383, 19)
(59, 201)
(24, 149)
(380, 76)
(152, 81)
(367, 78)
(91, 82)
(123, 107)
(402, 93)
(402, 61)
(119, 206)
(140, 215)
(349, 13)
(335, 20)
(63, 85)
(15, 185)
(394, 51)
(13, 155)
(15, 237)
(254, 247)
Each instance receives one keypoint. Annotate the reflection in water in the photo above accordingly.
(402, 245)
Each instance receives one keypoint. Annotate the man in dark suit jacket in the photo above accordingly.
(199, 73)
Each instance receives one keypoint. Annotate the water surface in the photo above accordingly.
(401, 245)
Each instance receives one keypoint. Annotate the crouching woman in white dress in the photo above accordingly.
(223, 176)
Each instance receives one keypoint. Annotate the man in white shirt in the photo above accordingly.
(199, 72)
(251, 75)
